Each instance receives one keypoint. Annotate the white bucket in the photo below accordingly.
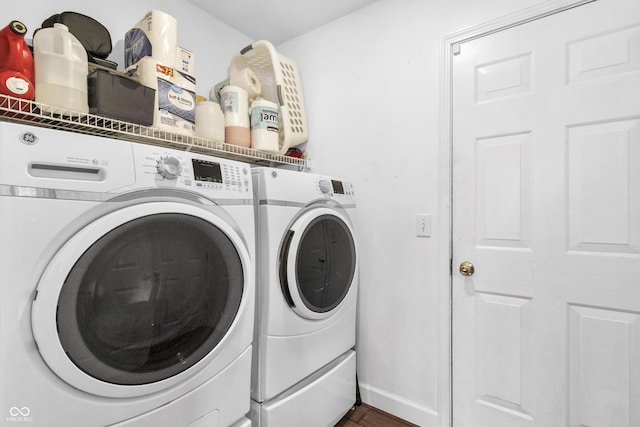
(61, 69)
(209, 121)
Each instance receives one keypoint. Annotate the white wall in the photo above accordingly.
(371, 86)
(213, 42)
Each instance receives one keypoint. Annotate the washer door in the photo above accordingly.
(318, 263)
(140, 299)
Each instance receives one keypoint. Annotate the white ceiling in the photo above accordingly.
(278, 20)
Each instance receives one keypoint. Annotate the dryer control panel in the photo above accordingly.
(302, 187)
(335, 188)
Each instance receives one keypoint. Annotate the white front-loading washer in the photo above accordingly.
(126, 283)
(307, 284)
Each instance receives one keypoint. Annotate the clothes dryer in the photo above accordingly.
(307, 284)
(126, 283)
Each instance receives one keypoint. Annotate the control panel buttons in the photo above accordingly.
(169, 167)
(232, 177)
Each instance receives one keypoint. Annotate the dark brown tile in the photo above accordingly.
(378, 419)
(356, 413)
(347, 423)
(368, 416)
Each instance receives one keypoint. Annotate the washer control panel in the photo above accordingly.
(179, 169)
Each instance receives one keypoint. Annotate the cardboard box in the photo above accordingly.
(186, 61)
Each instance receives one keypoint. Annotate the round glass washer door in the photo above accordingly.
(140, 299)
(318, 263)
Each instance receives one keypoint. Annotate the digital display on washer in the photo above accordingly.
(338, 188)
(206, 171)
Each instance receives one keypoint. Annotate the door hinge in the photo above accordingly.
(456, 48)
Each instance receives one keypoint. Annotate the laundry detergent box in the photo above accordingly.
(175, 101)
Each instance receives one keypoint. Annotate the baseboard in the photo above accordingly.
(398, 406)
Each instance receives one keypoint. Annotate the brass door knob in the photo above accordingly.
(467, 269)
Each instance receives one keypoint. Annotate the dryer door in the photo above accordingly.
(318, 263)
(140, 299)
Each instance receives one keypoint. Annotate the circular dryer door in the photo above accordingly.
(318, 263)
(135, 300)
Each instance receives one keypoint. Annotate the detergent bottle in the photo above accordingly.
(16, 62)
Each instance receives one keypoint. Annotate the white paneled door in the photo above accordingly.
(546, 207)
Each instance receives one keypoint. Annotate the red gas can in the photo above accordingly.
(16, 62)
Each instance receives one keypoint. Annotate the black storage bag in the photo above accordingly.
(90, 33)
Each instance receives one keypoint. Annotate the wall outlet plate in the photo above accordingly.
(423, 225)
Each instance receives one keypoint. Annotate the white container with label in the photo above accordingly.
(264, 126)
(235, 105)
(61, 69)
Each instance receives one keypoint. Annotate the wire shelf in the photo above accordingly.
(19, 110)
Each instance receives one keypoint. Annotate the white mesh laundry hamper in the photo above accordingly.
(280, 83)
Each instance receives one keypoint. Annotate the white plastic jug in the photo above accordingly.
(61, 68)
